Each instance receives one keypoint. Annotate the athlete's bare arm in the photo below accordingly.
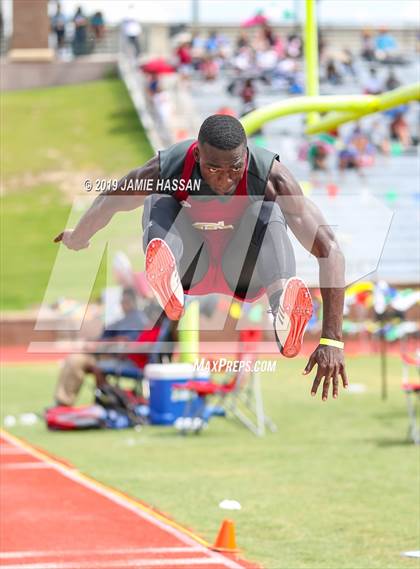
(100, 213)
(308, 224)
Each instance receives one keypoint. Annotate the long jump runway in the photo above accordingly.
(53, 517)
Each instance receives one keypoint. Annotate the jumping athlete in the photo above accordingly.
(215, 220)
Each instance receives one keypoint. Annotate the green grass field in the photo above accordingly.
(51, 140)
(336, 487)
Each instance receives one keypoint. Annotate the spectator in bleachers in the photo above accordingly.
(184, 56)
(244, 59)
(373, 85)
(269, 35)
(400, 131)
(317, 156)
(378, 133)
(209, 68)
(247, 94)
(348, 62)
(332, 73)
(243, 40)
(197, 50)
(358, 151)
(385, 46)
(368, 46)
(294, 46)
(212, 43)
(392, 82)
(266, 63)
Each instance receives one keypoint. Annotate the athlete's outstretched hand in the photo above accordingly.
(68, 239)
(331, 366)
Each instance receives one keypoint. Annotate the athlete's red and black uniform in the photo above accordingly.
(250, 248)
(234, 244)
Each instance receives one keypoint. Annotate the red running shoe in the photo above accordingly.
(295, 311)
(163, 278)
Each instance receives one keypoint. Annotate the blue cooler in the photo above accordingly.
(167, 404)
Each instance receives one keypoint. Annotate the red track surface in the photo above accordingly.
(55, 518)
(20, 354)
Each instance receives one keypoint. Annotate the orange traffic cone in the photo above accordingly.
(225, 540)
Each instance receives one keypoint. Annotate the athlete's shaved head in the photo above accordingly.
(223, 132)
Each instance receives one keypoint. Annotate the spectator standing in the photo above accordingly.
(58, 26)
(80, 33)
(163, 110)
(153, 85)
(132, 31)
(98, 25)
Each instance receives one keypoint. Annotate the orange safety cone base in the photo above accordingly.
(226, 541)
(224, 549)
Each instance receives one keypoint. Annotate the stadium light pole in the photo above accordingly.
(195, 13)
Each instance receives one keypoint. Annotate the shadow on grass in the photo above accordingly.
(388, 443)
(126, 122)
(125, 119)
(390, 415)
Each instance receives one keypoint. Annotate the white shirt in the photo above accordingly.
(132, 28)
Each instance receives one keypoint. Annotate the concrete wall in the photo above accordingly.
(31, 25)
(15, 76)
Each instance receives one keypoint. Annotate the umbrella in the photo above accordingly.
(257, 20)
(158, 66)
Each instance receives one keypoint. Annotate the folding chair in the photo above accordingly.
(412, 391)
(240, 396)
(132, 369)
(246, 403)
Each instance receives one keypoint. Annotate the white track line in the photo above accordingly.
(93, 552)
(117, 564)
(125, 503)
(25, 466)
(10, 450)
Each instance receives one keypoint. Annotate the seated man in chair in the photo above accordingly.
(76, 366)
